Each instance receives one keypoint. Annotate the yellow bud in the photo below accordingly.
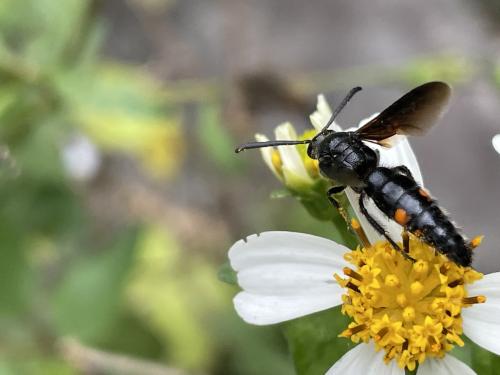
(276, 160)
(416, 287)
(408, 314)
(401, 299)
(312, 167)
(421, 266)
(391, 280)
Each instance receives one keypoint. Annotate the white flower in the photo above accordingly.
(495, 141)
(400, 154)
(363, 359)
(286, 275)
(285, 161)
(80, 158)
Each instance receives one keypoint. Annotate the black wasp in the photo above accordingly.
(349, 162)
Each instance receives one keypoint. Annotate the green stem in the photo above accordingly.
(414, 372)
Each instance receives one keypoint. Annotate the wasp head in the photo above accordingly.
(316, 143)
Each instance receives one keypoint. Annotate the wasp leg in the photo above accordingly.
(330, 194)
(379, 228)
(354, 224)
(406, 242)
(403, 169)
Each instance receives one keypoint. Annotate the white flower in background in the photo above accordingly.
(80, 157)
(402, 313)
(400, 154)
(286, 162)
(496, 143)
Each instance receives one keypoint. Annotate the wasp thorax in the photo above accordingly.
(343, 157)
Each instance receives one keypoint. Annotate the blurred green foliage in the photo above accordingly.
(58, 277)
(65, 272)
(52, 75)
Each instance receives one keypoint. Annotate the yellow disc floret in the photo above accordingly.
(411, 310)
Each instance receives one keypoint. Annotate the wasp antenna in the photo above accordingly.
(250, 145)
(340, 107)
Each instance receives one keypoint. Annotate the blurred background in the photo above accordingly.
(121, 194)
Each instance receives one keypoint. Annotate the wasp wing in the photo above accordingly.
(413, 114)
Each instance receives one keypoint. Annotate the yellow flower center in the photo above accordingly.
(312, 165)
(410, 310)
(276, 160)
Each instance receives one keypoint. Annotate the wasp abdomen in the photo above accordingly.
(399, 196)
(436, 228)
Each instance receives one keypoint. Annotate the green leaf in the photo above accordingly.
(463, 353)
(41, 366)
(88, 300)
(88, 55)
(479, 359)
(39, 155)
(140, 341)
(121, 109)
(227, 275)
(314, 341)
(14, 272)
(317, 205)
(254, 350)
(57, 25)
(172, 295)
(482, 361)
(215, 140)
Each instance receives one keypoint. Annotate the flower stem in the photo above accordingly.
(414, 372)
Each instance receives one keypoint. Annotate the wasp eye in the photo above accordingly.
(311, 151)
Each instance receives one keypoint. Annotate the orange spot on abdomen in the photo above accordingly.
(401, 216)
(424, 193)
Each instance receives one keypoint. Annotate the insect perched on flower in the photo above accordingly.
(345, 159)
(403, 313)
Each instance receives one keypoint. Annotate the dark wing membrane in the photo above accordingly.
(413, 114)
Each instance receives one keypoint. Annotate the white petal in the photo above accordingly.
(286, 275)
(401, 154)
(267, 155)
(372, 235)
(263, 310)
(286, 247)
(321, 116)
(290, 278)
(495, 141)
(292, 162)
(448, 365)
(365, 361)
(481, 322)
